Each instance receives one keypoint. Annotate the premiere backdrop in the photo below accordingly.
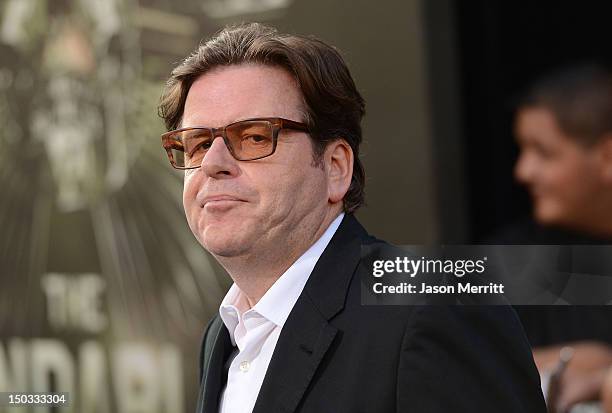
(104, 292)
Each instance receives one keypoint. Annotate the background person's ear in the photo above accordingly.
(339, 160)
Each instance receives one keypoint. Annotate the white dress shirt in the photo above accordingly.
(255, 331)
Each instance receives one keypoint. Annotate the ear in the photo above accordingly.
(339, 168)
(604, 146)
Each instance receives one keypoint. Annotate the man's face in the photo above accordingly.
(561, 175)
(240, 208)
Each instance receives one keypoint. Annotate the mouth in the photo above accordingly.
(534, 190)
(220, 202)
(537, 194)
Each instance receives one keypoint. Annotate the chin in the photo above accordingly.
(224, 250)
(222, 247)
(223, 241)
(548, 215)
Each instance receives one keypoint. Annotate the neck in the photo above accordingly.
(255, 273)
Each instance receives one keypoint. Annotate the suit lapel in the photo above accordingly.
(217, 348)
(307, 334)
(294, 362)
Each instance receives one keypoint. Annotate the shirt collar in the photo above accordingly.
(277, 303)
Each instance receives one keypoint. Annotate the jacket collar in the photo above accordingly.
(330, 279)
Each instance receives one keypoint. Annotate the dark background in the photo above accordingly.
(503, 47)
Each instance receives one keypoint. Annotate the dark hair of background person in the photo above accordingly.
(580, 98)
(334, 107)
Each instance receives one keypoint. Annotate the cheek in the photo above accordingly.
(568, 190)
(585, 190)
(190, 190)
(295, 190)
(278, 194)
(559, 179)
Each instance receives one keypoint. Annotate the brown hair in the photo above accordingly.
(334, 107)
(580, 98)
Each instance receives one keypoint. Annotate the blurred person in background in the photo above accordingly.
(564, 130)
(267, 126)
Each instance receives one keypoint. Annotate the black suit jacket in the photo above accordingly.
(335, 355)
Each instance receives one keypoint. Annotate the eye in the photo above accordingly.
(255, 139)
(197, 143)
(201, 146)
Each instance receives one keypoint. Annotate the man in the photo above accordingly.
(270, 126)
(564, 130)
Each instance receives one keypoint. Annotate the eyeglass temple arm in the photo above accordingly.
(287, 123)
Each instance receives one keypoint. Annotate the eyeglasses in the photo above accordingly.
(246, 140)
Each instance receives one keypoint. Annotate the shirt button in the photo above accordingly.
(244, 366)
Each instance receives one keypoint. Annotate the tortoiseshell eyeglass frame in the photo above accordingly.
(170, 142)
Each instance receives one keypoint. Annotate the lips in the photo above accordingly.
(536, 191)
(219, 200)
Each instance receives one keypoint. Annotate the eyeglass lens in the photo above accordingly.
(247, 140)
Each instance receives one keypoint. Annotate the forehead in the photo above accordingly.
(231, 93)
(538, 123)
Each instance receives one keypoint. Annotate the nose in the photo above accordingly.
(525, 168)
(218, 161)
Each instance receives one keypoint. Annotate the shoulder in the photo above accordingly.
(449, 357)
(477, 356)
